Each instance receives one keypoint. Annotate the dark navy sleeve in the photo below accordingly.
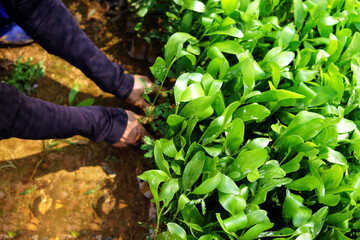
(51, 25)
(30, 118)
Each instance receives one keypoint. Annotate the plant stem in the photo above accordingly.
(161, 86)
(158, 220)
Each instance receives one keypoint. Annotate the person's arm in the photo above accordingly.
(30, 118)
(51, 25)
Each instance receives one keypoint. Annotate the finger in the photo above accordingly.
(120, 144)
(143, 105)
(133, 115)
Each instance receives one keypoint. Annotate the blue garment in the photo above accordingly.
(3, 13)
(11, 33)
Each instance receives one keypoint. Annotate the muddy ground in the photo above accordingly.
(58, 189)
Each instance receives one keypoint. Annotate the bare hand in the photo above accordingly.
(134, 132)
(136, 96)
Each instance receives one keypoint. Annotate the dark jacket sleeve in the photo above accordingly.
(30, 118)
(51, 25)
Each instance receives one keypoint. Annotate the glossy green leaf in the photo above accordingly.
(294, 164)
(258, 143)
(193, 170)
(299, 13)
(175, 44)
(291, 142)
(318, 220)
(194, 5)
(182, 201)
(168, 147)
(230, 31)
(180, 86)
(286, 36)
(333, 156)
(235, 136)
(345, 125)
(192, 108)
(253, 175)
(229, 6)
(275, 96)
(192, 216)
(234, 204)
(177, 230)
(218, 65)
(305, 76)
(236, 222)
(159, 68)
(339, 217)
(301, 216)
(161, 163)
(354, 47)
(255, 217)
(331, 200)
(186, 21)
(305, 131)
(229, 46)
(256, 230)
(284, 59)
(245, 162)
(73, 92)
(207, 22)
(168, 190)
(252, 112)
(193, 91)
(214, 130)
(214, 52)
(275, 73)
(323, 96)
(248, 73)
(333, 177)
(175, 122)
(304, 236)
(302, 118)
(188, 55)
(271, 55)
(294, 210)
(280, 233)
(227, 185)
(229, 234)
(154, 178)
(86, 102)
(214, 150)
(208, 185)
(306, 183)
(272, 169)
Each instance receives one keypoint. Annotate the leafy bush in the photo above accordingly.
(156, 19)
(25, 75)
(264, 142)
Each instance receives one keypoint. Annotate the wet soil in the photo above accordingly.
(74, 188)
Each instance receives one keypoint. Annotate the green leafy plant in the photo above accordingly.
(25, 75)
(264, 141)
(156, 115)
(157, 20)
(148, 146)
(72, 95)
